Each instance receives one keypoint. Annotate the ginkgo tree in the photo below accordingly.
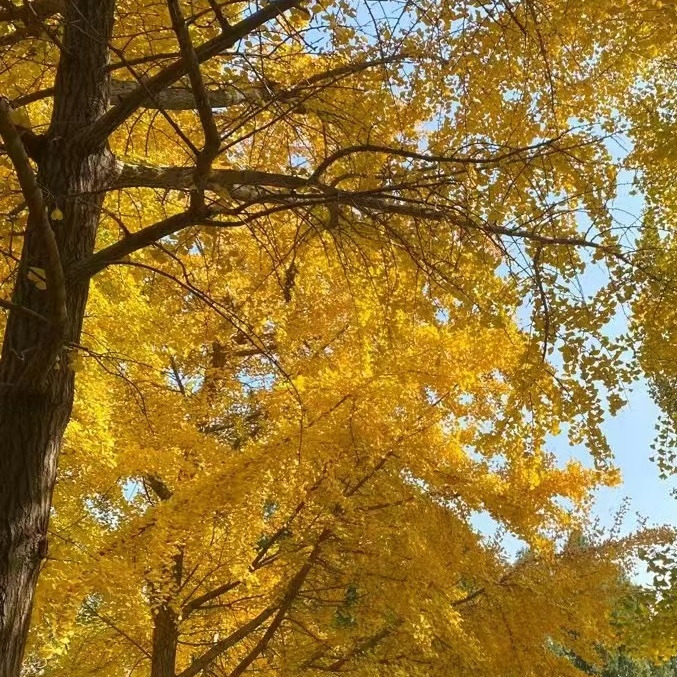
(230, 518)
(316, 267)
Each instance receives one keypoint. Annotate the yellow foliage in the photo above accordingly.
(291, 410)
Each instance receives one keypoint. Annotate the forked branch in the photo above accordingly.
(97, 133)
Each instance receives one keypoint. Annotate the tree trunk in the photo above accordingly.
(34, 413)
(165, 618)
(165, 639)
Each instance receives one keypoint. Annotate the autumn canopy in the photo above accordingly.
(294, 297)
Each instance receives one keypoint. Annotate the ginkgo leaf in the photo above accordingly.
(369, 335)
(38, 277)
(302, 13)
(75, 360)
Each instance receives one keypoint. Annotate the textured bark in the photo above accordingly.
(179, 98)
(165, 639)
(75, 168)
(165, 618)
(34, 411)
(182, 178)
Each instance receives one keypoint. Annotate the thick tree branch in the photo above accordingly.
(209, 656)
(181, 178)
(171, 98)
(232, 94)
(239, 184)
(224, 95)
(28, 11)
(181, 98)
(292, 591)
(280, 612)
(468, 598)
(359, 650)
(250, 187)
(162, 491)
(212, 141)
(198, 602)
(132, 243)
(37, 218)
(116, 116)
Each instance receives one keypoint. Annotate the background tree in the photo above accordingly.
(405, 169)
(647, 116)
(619, 664)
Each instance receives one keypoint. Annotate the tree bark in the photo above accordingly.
(165, 617)
(182, 98)
(165, 640)
(34, 411)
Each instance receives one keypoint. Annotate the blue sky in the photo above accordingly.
(645, 497)
(630, 434)
(632, 431)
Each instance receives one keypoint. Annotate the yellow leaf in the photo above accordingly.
(38, 277)
(19, 117)
(75, 361)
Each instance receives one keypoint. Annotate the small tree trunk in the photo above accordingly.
(165, 640)
(34, 415)
(165, 618)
